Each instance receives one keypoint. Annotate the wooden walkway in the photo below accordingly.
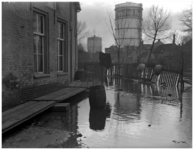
(60, 95)
(81, 84)
(22, 113)
(14, 117)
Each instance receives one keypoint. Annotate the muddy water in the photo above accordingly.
(136, 116)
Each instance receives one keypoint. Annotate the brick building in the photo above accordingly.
(39, 48)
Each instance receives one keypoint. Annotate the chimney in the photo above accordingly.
(173, 41)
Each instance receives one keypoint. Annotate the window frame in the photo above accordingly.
(62, 39)
(41, 34)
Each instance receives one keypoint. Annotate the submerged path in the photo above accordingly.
(15, 116)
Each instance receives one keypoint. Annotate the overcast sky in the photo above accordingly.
(94, 13)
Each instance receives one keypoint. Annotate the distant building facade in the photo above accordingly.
(128, 54)
(94, 44)
(39, 48)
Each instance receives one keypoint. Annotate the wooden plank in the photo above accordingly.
(16, 112)
(66, 93)
(87, 84)
(78, 84)
(74, 92)
(22, 115)
(84, 84)
(53, 95)
(40, 107)
(17, 108)
(73, 83)
(90, 84)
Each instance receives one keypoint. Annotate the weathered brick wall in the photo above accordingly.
(18, 52)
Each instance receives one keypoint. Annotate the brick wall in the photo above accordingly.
(18, 50)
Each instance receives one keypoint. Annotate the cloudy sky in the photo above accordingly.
(95, 14)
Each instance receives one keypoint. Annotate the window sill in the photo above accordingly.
(38, 75)
(62, 73)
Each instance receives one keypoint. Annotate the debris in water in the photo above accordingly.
(149, 125)
(79, 135)
(183, 141)
(178, 141)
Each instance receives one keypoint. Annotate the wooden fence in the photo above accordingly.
(94, 69)
(170, 76)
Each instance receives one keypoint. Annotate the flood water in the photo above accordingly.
(136, 116)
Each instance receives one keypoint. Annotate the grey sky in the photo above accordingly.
(94, 13)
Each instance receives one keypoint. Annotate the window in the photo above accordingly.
(61, 48)
(39, 42)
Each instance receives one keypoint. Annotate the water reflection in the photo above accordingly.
(137, 115)
(97, 117)
(143, 112)
(127, 106)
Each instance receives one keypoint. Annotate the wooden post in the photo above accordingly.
(85, 71)
(111, 68)
(116, 67)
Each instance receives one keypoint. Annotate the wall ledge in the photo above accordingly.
(62, 73)
(40, 75)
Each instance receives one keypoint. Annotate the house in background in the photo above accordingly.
(145, 49)
(39, 48)
(165, 54)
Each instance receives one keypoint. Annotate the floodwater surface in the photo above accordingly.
(136, 115)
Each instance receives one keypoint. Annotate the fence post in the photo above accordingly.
(85, 70)
(111, 68)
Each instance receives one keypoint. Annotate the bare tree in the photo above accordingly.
(156, 25)
(119, 30)
(82, 31)
(186, 20)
